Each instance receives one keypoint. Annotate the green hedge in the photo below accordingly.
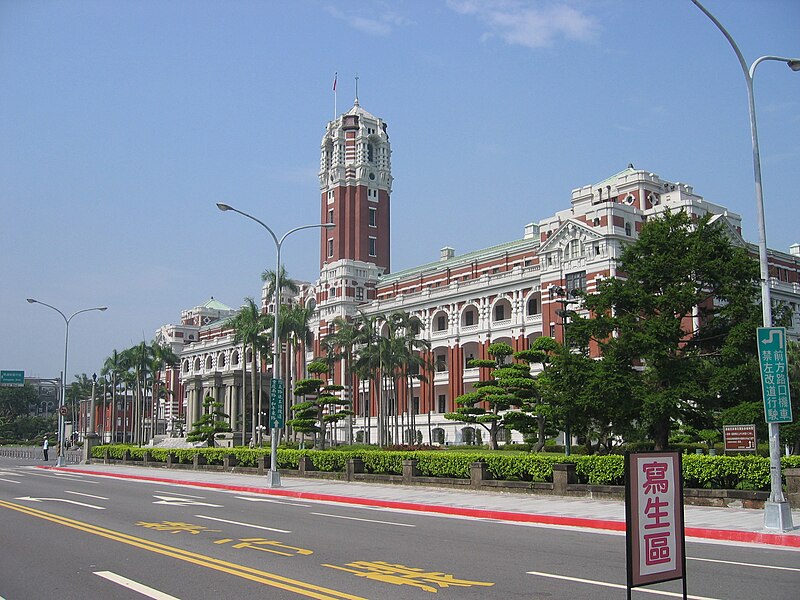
(700, 471)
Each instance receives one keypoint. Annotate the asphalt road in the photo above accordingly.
(70, 536)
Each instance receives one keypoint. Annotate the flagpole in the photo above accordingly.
(335, 77)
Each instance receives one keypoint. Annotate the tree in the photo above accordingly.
(14, 401)
(673, 317)
(343, 342)
(268, 277)
(161, 356)
(321, 406)
(409, 358)
(248, 327)
(113, 366)
(296, 331)
(509, 385)
(212, 422)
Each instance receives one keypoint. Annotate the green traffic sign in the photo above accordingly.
(276, 410)
(774, 374)
(12, 377)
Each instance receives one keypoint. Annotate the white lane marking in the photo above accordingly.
(134, 586)
(182, 495)
(9, 481)
(169, 500)
(743, 564)
(61, 500)
(365, 520)
(257, 499)
(87, 495)
(63, 476)
(242, 524)
(618, 586)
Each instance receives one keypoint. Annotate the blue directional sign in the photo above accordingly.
(774, 374)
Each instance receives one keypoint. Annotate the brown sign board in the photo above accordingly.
(655, 537)
(740, 438)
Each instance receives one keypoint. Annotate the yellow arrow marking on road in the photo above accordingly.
(304, 589)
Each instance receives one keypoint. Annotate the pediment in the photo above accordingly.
(569, 230)
(729, 230)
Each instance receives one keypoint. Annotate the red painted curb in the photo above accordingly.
(753, 537)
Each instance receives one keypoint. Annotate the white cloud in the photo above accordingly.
(527, 23)
(381, 24)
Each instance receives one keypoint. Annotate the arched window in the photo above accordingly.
(533, 306)
(437, 435)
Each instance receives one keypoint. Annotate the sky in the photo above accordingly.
(123, 123)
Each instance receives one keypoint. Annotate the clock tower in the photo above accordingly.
(355, 182)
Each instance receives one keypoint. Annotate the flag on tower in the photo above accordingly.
(335, 77)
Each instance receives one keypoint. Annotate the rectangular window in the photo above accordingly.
(499, 312)
(330, 248)
(415, 405)
(441, 323)
(576, 281)
(330, 216)
(372, 217)
(372, 251)
(469, 318)
(442, 403)
(359, 293)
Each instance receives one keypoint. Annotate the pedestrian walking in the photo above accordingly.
(45, 447)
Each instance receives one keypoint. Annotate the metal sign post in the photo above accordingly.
(777, 409)
(655, 540)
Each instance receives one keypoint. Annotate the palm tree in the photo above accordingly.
(344, 339)
(268, 277)
(113, 367)
(367, 365)
(248, 326)
(161, 356)
(409, 357)
(296, 331)
(138, 360)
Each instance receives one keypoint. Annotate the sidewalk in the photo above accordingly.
(729, 524)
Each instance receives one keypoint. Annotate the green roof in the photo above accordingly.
(458, 260)
(215, 305)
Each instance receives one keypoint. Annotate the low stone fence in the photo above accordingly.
(564, 480)
(71, 456)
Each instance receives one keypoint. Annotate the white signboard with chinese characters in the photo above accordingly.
(654, 518)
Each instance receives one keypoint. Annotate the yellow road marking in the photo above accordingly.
(305, 589)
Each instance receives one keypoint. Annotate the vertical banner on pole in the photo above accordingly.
(654, 532)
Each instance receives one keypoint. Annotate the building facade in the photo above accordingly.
(509, 293)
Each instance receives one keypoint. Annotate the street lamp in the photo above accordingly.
(565, 299)
(61, 404)
(777, 513)
(274, 474)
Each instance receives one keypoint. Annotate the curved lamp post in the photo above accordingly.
(777, 513)
(61, 404)
(274, 474)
